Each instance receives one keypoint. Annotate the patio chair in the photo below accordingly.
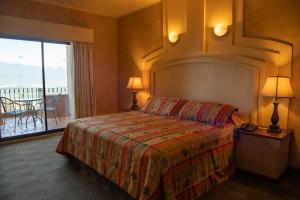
(37, 108)
(11, 108)
(53, 105)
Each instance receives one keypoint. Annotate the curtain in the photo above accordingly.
(81, 79)
(70, 81)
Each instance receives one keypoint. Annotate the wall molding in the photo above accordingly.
(273, 57)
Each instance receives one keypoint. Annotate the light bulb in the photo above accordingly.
(220, 30)
(173, 37)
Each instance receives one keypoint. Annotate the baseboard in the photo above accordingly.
(30, 137)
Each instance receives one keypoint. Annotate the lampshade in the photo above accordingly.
(277, 86)
(135, 83)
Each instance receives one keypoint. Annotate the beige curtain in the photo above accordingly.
(81, 73)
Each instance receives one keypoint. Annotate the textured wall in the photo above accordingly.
(105, 43)
(139, 34)
(280, 20)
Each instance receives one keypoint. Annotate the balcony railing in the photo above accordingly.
(27, 93)
(57, 98)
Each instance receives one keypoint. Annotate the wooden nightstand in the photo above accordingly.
(262, 152)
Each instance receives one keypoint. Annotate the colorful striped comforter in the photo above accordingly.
(150, 155)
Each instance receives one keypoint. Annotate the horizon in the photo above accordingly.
(30, 76)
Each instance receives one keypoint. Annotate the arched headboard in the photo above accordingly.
(221, 78)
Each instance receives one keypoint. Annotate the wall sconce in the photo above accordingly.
(173, 37)
(220, 30)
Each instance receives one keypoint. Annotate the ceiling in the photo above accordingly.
(111, 8)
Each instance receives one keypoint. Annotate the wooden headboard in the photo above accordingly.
(221, 78)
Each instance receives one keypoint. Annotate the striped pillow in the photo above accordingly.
(215, 113)
(190, 110)
(170, 107)
(152, 104)
(207, 112)
(144, 107)
(237, 120)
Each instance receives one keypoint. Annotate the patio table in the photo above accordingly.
(29, 104)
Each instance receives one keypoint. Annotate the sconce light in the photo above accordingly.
(173, 37)
(220, 30)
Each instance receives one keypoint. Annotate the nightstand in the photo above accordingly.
(262, 152)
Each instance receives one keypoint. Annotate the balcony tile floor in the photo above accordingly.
(21, 129)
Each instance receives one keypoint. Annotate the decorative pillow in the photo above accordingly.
(190, 110)
(236, 120)
(215, 113)
(170, 107)
(143, 108)
(152, 104)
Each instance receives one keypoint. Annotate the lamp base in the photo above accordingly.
(274, 129)
(134, 106)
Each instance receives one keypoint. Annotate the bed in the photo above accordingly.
(151, 156)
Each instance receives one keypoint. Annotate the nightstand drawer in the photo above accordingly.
(267, 156)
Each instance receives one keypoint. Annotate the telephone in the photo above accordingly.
(248, 127)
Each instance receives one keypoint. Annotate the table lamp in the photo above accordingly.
(134, 84)
(277, 87)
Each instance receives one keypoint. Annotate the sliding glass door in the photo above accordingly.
(59, 111)
(33, 87)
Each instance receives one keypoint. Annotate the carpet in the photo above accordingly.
(31, 170)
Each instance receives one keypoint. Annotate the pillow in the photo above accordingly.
(170, 107)
(152, 104)
(190, 110)
(236, 120)
(215, 113)
(207, 112)
(144, 107)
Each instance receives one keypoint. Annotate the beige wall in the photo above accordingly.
(105, 43)
(139, 34)
(280, 20)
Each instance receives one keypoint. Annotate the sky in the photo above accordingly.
(29, 53)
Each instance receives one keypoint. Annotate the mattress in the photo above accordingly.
(151, 156)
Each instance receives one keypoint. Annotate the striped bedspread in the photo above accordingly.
(150, 156)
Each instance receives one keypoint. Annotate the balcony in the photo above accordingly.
(57, 106)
